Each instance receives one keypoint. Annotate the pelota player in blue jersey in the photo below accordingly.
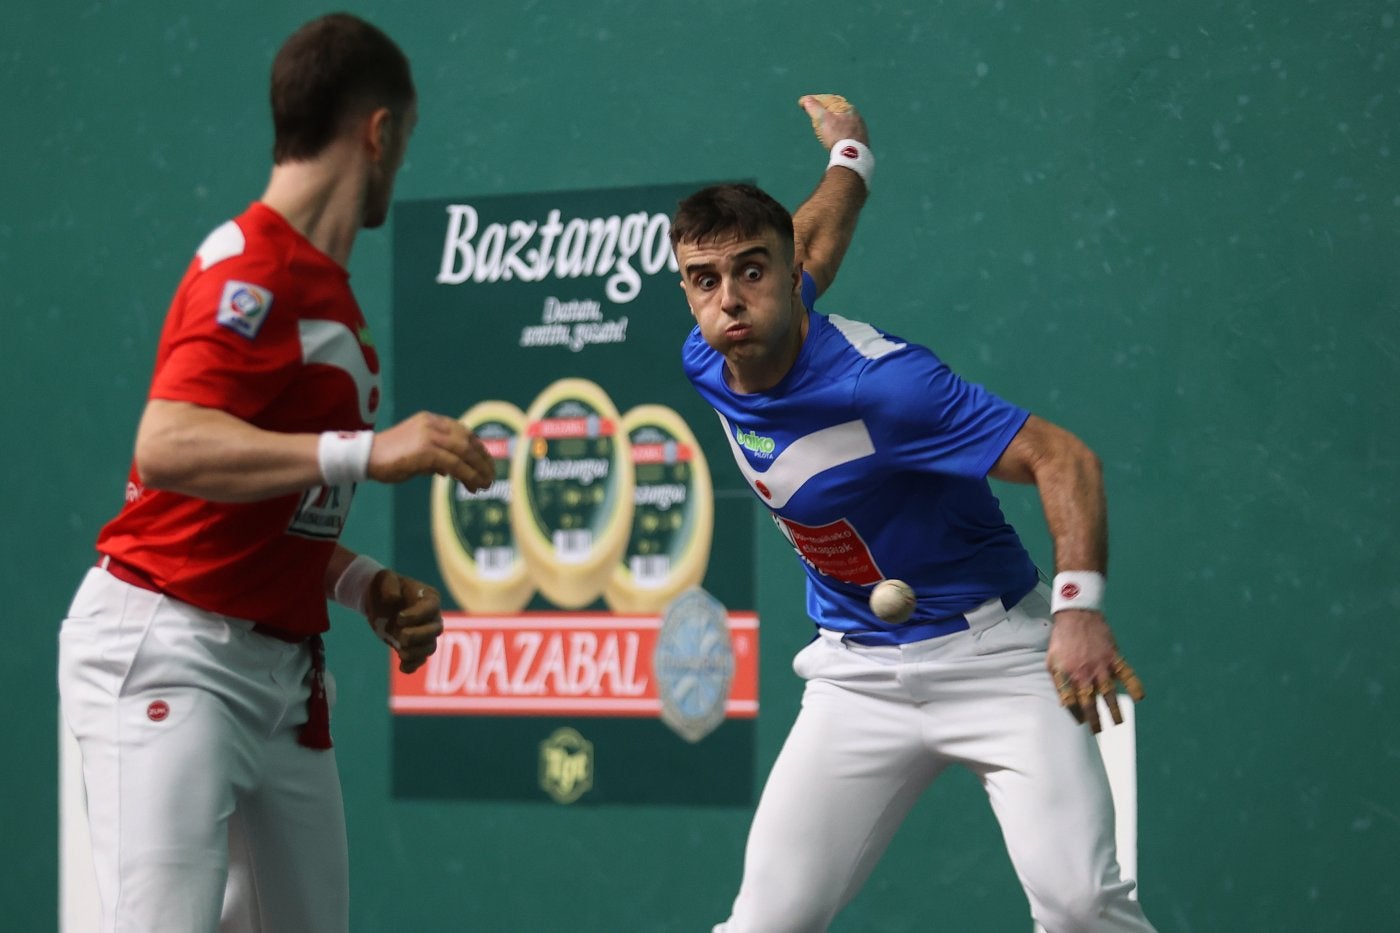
(873, 458)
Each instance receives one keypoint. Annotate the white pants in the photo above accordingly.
(879, 724)
(187, 722)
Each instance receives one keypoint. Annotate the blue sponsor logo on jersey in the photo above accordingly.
(753, 442)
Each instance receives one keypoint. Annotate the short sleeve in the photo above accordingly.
(933, 420)
(231, 340)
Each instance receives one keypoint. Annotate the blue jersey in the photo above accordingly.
(872, 456)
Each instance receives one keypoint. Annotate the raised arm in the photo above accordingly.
(1083, 657)
(826, 221)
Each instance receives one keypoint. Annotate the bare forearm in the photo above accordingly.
(1076, 513)
(341, 558)
(1082, 655)
(1069, 479)
(213, 455)
(826, 222)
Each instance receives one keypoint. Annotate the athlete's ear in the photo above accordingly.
(378, 132)
(688, 305)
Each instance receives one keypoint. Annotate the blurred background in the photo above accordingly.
(1172, 228)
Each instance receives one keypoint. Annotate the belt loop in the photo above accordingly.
(989, 612)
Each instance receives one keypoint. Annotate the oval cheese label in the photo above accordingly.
(472, 533)
(571, 480)
(668, 549)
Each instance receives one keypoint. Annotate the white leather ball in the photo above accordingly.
(893, 601)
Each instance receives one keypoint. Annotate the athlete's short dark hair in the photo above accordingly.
(730, 210)
(333, 69)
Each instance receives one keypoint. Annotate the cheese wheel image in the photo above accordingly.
(571, 492)
(673, 515)
(472, 533)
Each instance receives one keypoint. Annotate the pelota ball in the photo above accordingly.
(893, 601)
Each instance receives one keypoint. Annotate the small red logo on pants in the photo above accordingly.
(158, 710)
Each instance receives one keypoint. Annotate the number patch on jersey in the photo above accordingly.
(322, 511)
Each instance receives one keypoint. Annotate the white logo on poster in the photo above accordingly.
(528, 251)
(573, 324)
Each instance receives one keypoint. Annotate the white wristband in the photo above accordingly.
(854, 155)
(1077, 589)
(344, 456)
(352, 587)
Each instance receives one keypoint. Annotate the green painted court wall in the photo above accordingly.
(1172, 227)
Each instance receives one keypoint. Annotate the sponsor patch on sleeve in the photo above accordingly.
(243, 307)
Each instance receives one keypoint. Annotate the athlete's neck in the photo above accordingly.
(323, 198)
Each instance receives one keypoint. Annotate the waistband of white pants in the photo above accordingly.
(975, 619)
(135, 576)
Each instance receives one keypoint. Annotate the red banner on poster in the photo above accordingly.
(567, 664)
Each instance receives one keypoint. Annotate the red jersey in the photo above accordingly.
(264, 327)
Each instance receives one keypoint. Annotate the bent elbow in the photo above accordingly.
(1079, 460)
(1067, 455)
(152, 471)
(157, 466)
(1089, 461)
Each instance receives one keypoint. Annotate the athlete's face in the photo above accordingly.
(743, 292)
(393, 145)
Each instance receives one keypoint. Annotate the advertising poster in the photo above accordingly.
(601, 641)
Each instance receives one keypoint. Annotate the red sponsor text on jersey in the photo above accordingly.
(836, 549)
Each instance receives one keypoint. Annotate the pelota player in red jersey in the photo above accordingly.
(191, 668)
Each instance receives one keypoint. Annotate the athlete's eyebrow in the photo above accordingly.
(743, 254)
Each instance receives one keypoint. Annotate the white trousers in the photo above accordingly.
(879, 724)
(204, 812)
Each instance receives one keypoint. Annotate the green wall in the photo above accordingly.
(1171, 227)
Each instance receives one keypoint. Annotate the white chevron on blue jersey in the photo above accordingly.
(803, 459)
(864, 339)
